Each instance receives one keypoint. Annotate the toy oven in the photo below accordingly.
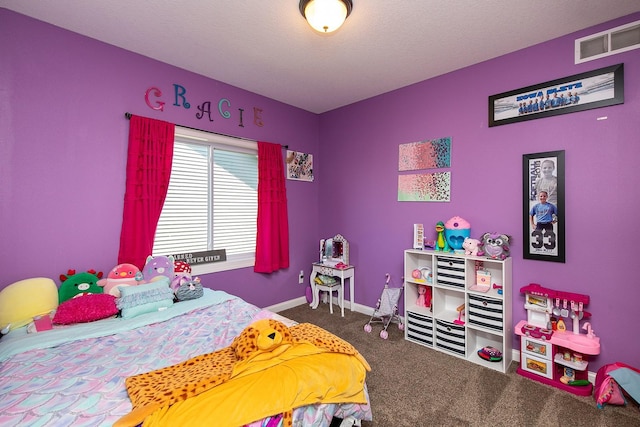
(536, 365)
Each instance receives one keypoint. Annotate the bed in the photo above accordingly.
(75, 375)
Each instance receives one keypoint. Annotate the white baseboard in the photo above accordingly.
(287, 304)
(303, 300)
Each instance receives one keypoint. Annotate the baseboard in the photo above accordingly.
(287, 304)
(515, 353)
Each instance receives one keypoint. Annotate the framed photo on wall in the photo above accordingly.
(543, 211)
(593, 89)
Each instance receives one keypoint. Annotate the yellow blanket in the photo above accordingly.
(267, 370)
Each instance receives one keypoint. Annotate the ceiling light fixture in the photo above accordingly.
(325, 16)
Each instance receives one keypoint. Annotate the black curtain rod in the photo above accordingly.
(128, 116)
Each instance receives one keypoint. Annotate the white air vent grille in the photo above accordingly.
(606, 43)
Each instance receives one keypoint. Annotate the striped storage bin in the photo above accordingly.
(419, 328)
(450, 272)
(485, 312)
(450, 337)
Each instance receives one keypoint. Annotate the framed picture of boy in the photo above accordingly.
(543, 222)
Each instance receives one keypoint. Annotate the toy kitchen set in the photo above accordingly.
(552, 349)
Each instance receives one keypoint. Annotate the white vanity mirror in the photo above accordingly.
(334, 250)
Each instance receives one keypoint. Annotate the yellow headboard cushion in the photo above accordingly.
(21, 301)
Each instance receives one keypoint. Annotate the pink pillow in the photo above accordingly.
(87, 308)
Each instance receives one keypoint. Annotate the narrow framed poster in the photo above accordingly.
(543, 209)
(593, 89)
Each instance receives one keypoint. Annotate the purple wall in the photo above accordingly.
(64, 146)
(361, 141)
(63, 155)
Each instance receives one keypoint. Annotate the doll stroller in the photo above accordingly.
(386, 310)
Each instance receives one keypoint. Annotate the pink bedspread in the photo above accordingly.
(81, 383)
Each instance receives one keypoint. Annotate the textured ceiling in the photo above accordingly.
(266, 47)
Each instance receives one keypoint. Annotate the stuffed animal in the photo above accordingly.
(471, 246)
(121, 275)
(494, 245)
(181, 271)
(441, 241)
(158, 266)
(73, 285)
(21, 301)
(189, 289)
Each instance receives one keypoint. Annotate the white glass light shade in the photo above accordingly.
(325, 16)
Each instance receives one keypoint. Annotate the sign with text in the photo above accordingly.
(204, 257)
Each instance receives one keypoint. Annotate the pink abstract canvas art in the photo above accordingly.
(432, 154)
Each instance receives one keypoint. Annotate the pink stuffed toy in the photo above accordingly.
(471, 246)
(181, 271)
(424, 296)
(121, 275)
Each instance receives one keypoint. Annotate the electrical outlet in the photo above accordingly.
(301, 277)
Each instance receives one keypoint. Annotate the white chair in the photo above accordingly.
(338, 287)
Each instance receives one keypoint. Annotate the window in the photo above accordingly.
(212, 201)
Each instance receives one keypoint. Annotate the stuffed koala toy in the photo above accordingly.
(189, 289)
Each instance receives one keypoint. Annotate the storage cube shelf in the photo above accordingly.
(464, 316)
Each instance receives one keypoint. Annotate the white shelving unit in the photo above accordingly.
(487, 315)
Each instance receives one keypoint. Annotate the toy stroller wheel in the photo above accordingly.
(401, 326)
(384, 334)
(367, 328)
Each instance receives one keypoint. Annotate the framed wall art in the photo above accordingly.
(431, 154)
(425, 187)
(299, 166)
(593, 89)
(543, 221)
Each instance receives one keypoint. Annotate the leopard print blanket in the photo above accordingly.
(257, 346)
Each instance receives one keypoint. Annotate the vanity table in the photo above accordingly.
(334, 262)
(340, 273)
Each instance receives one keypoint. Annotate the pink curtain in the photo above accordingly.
(272, 240)
(148, 170)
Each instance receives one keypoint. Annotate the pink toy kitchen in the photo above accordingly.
(556, 340)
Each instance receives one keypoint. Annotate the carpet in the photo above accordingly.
(413, 385)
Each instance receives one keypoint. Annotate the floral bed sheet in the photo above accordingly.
(81, 382)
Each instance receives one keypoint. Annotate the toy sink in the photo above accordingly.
(578, 342)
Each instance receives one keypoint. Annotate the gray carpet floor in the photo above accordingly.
(412, 385)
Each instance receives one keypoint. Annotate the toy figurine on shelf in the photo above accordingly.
(424, 296)
(460, 311)
(441, 240)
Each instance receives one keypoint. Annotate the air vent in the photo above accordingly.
(606, 43)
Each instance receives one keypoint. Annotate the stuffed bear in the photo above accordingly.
(471, 246)
(73, 285)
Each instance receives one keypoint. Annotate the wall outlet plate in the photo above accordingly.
(301, 277)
